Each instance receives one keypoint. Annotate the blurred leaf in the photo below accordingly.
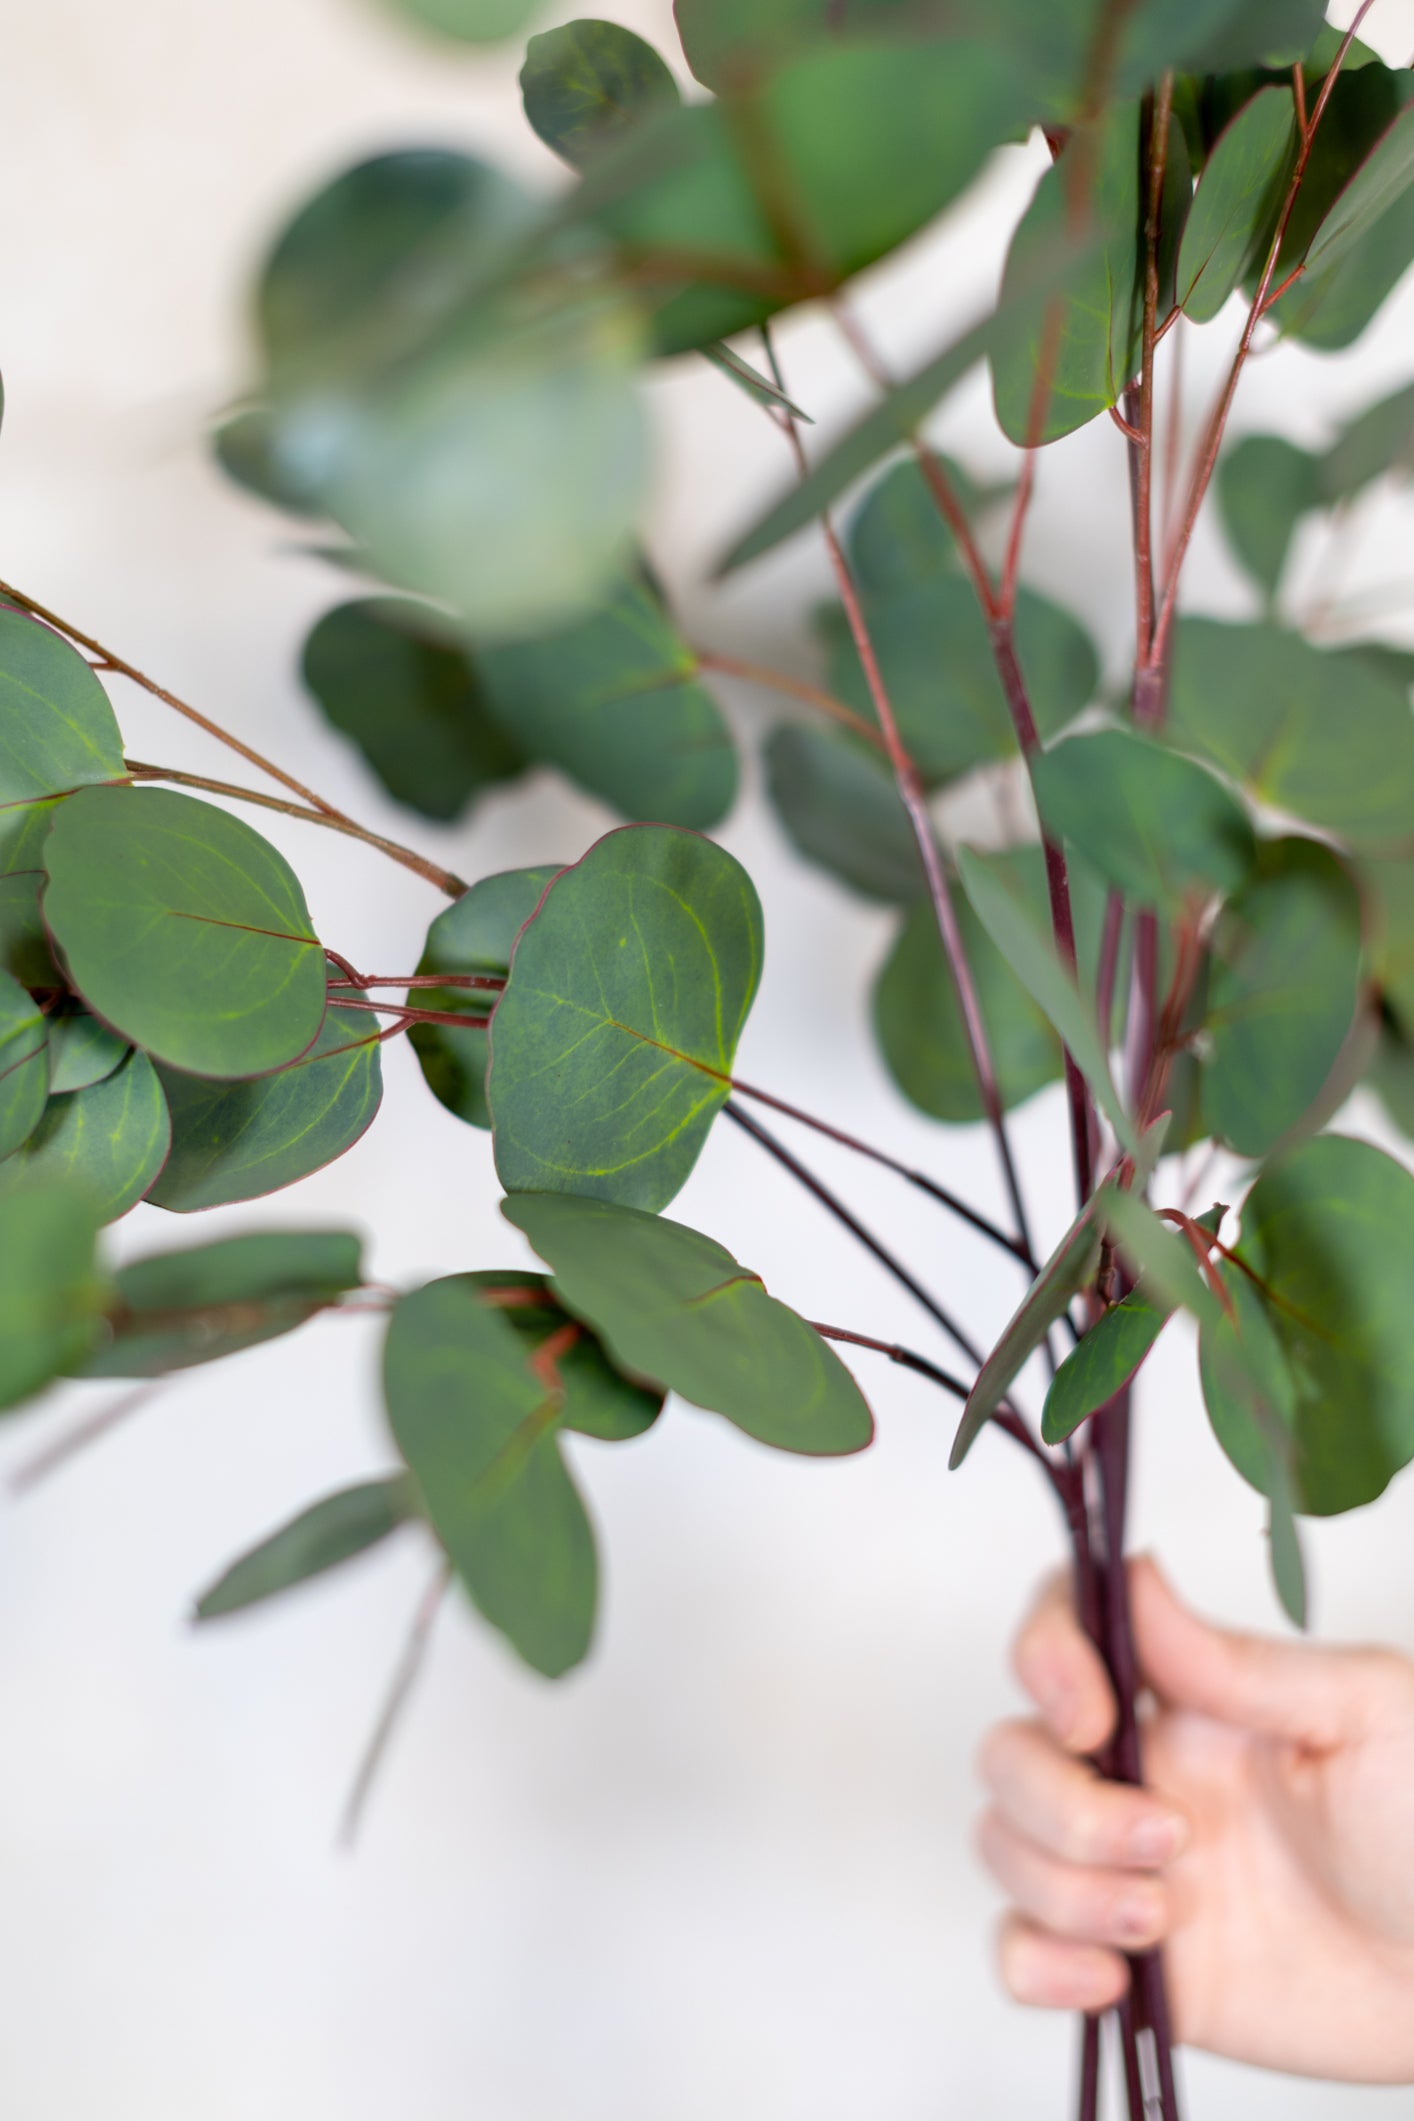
(1377, 443)
(1266, 32)
(469, 21)
(1157, 826)
(475, 935)
(1313, 732)
(598, 1400)
(184, 930)
(1389, 891)
(1376, 186)
(838, 803)
(1237, 201)
(1064, 1274)
(1032, 957)
(411, 702)
(1327, 1232)
(1285, 978)
(751, 381)
(936, 659)
(674, 1306)
(612, 1045)
(1164, 1260)
(585, 82)
(110, 1138)
(1101, 1364)
(24, 941)
(614, 701)
(1265, 485)
(81, 1050)
(250, 448)
(1391, 1077)
(57, 730)
(51, 1292)
(479, 1432)
(175, 1309)
(903, 409)
(24, 1065)
(1288, 1563)
(236, 1141)
(897, 538)
(322, 1537)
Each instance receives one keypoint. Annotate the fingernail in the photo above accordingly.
(1136, 1916)
(1157, 1838)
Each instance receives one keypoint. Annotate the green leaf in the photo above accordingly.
(479, 1433)
(81, 1050)
(236, 1141)
(1265, 485)
(1237, 201)
(902, 410)
(612, 1046)
(838, 803)
(1101, 1364)
(51, 1292)
(1327, 1232)
(1164, 1260)
(175, 1309)
(468, 21)
(1032, 957)
(24, 1065)
(251, 449)
(614, 701)
(57, 730)
(1389, 894)
(1377, 185)
(1378, 443)
(110, 1138)
(674, 1306)
(919, 1024)
(939, 670)
(1159, 827)
(1063, 1276)
(1262, 32)
(24, 942)
(585, 82)
(750, 380)
(330, 1532)
(476, 934)
(598, 1400)
(1315, 733)
(897, 537)
(411, 703)
(1391, 1077)
(184, 930)
(1285, 980)
(1288, 1566)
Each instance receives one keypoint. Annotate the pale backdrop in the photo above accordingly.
(724, 1870)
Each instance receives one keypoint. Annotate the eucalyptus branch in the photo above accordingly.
(1005, 1418)
(1217, 423)
(333, 819)
(732, 666)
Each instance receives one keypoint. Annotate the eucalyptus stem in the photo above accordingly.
(404, 1678)
(732, 666)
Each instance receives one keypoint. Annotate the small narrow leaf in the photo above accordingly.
(1064, 1274)
(1101, 1364)
(613, 1044)
(674, 1306)
(1032, 958)
(1237, 201)
(1265, 486)
(1165, 1260)
(1378, 443)
(750, 380)
(1288, 1563)
(320, 1538)
(1376, 186)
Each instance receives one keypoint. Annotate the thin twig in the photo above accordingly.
(731, 666)
(1006, 1419)
(404, 1679)
(333, 819)
(89, 1430)
(450, 1019)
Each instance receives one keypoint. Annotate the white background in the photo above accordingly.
(724, 1869)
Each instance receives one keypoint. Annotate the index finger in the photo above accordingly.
(1062, 1671)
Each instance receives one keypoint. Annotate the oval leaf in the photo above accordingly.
(612, 1046)
(24, 1065)
(585, 82)
(110, 1138)
(1064, 1274)
(184, 930)
(57, 729)
(1101, 1364)
(1160, 828)
(1265, 485)
(322, 1537)
(840, 807)
(475, 935)
(674, 1306)
(81, 1051)
(236, 1141)
(1237, 201)
(51, 1293)
(478, 1429)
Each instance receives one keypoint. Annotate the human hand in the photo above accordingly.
(1272, 1854)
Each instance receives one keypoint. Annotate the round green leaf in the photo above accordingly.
(468, 21)
(612, 1046)
(81, 1050)
(1378, 443)
(322, 1537)
(51, 1292)
(184, 930)
(57, 729)
(1328, 1232)
(614, 701)
(1237, 201)
(674, 1306)
(1285, 980)
(411, 703)
(479, 1433)
(175, 1309)
(598, 1400)
(24, 1065)
(897, 537)
(840, 806)
(1265, 485)
(110, 1138)
(476, 934)
(236, 1141)
(1157, 826)
(584, 82)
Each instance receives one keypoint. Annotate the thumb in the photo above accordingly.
(1310, 1695)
